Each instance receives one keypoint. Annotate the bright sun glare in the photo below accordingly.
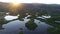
(15, 3)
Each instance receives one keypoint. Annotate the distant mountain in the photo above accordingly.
(35, 7)
(52, 9)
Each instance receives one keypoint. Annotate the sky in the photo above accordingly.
(34, 1)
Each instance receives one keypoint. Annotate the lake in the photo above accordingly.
(21, 24)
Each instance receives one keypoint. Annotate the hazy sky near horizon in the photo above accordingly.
(34, 1)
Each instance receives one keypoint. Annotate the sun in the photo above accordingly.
(15, 3)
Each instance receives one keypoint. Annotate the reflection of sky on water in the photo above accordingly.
(14, 27)
(43, 17)
(46, 16)
(9, 17)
